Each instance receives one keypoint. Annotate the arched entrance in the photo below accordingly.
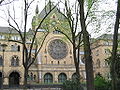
(0, 79)
(14, 79)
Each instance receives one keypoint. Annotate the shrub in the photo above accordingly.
(72, 85)
(102, 84)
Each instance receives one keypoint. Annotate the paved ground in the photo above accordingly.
(40, 89)
(43, 87)
(37, 89)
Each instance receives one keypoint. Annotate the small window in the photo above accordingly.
(15, 47)
(51, 62)
(98, 63)
(18, 48)
(107, 51)
(15, 61)
(97, 53)
(34, 77)
(58, 62)
(64, 62)
(31, 76)
(15, 38)
(56, 32)
(2, 37)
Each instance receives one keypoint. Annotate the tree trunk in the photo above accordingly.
(25, 77)
(88, 62)
(114, 49)
(87, 50)
(76, 63)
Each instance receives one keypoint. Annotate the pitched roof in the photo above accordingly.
(108, 36)
(7, 30)
(47, 9)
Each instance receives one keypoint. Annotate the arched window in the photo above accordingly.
(98, 63)
(34, 77)
(62, 77)
(18, 47)
(15, 61)
(51, 62)
(1, 60)
(74, 76)
(48, 78)
(31, 76)
(58, 62)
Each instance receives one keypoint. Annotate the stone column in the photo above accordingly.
(6, 81)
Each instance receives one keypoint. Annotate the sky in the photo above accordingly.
(104, 5)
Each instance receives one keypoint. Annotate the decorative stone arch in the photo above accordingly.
(20, 73)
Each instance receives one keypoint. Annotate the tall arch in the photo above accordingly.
(14, 79)
(48, 78)
(62, 77)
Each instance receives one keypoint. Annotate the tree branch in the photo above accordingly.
(89, 10)
(34, 36)
(15, 41)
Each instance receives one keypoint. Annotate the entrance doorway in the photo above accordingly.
(14, 79)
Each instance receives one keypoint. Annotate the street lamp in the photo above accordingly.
(3, 50)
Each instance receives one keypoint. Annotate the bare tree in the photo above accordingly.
(86, 42)
(114, 48)
(72, 34)
(5, 2)
(1, 1)
(27, 57)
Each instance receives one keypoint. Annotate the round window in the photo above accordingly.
(57, 49)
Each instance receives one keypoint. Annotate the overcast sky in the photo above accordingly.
(18, 5)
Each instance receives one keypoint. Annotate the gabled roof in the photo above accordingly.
(7, 30)
(47, 9)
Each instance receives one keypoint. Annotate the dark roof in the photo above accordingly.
(108, 36)
(7, 30)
